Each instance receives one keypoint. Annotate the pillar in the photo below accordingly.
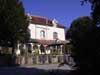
(61, 46)
(39, 49)
(17, 52)
(56, 49)
(31, 46)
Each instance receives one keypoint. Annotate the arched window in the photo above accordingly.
(42, 34)
(55, 35)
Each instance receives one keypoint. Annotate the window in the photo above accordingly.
(55, 35)
(42, 34)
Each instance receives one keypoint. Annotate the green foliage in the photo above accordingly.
(95, 6)
(13, 22)
(95, 48)
(83, 40)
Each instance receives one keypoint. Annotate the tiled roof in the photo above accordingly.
(49, 42)
(43, 21)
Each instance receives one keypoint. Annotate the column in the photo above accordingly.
(31, 47)
(56, 49)
(33, 50)
(24, 47)
(17, 50)
(39, 49)
(61, 46)
(37, 57)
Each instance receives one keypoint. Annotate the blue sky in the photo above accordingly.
(64, 11)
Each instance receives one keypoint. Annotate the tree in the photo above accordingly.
(95, 6)
(81, 34)
(95, 14)
(13, 23)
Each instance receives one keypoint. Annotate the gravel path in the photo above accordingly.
(50, 67)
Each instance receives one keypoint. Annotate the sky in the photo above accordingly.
(64, 11)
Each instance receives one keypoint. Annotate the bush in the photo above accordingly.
(7, 60)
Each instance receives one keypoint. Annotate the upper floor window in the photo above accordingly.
(42, 34)
(55, 35)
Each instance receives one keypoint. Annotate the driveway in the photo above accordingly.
(50, 67)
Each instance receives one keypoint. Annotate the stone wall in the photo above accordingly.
(42, 59)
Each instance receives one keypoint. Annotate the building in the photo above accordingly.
(46, 36)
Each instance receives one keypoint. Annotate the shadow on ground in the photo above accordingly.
(7, 67)
(31, 71)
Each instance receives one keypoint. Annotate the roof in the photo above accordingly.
(49, 42)
(44, 21)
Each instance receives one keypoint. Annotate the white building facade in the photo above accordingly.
(42, 32)
(48, 33)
